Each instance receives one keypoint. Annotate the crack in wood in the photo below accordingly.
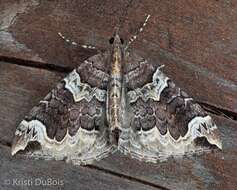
(223, 112)
(194, 67)
(110, 172)
(36, 64)
(126, 177)
(219, 111)
(5, 143)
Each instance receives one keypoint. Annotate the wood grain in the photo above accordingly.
(20, 88)
(39, 173)
(215, 170)
(195, 40)
(17, 97)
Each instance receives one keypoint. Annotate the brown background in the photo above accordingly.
(195, 40)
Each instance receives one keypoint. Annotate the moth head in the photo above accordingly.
(115, 40)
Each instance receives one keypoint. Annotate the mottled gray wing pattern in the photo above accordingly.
(162, 119)
(69, 123)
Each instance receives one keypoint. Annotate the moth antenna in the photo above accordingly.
(138, 32)
(75, 43)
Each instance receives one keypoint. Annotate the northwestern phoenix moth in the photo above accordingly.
(113, 101)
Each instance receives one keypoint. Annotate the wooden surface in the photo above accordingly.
(195, 40)
(215, 170)
(67, 176)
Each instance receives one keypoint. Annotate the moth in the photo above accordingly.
(115, 100)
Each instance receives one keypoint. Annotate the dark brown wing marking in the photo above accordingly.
(135, 67)
(95, 71)
(164, 121)
(70, 121)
